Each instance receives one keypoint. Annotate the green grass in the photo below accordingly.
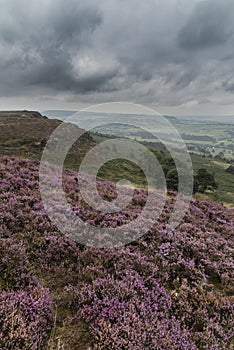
(225, 192)
(115, 170)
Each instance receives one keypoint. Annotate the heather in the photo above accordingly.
(167, 290)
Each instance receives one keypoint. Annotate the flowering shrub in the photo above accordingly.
(14, 265)
(168, 290)
(25, 319)
(127, 311)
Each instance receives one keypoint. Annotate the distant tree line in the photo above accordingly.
(199, 138)
(203, 180)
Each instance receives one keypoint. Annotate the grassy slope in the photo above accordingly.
(21, 131)
(225, 192)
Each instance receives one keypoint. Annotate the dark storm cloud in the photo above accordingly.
(211, 24)
(171, 51)
(228, 85)
(40, 51)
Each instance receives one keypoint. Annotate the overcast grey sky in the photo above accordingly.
(174, 55)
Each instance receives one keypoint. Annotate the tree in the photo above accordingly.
(172, 180)
(230, 169)
(181, 176)
(204, 181)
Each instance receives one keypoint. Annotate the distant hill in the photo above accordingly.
(21, 114)
(59, 114)
(226, 119)
(25, 133)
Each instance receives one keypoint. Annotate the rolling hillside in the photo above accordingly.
(167, 290)
(170, 289)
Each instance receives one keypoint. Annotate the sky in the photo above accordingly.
(176, 56)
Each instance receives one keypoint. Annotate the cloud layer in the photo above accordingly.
(172, 52)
